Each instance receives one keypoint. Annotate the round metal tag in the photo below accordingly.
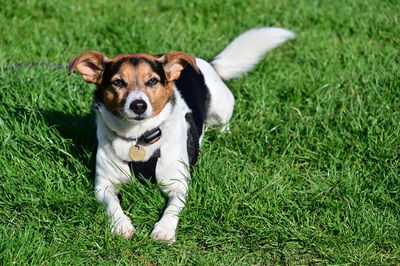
(137, 153)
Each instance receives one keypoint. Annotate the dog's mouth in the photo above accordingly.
(138, 118)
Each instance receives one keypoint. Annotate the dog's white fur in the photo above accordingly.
(172, 172)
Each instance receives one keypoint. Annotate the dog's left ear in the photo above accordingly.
(175, 62)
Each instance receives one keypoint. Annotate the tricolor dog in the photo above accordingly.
(151, 114)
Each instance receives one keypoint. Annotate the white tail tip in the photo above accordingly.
(244, 52)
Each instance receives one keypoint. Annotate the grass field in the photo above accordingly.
(308, 174)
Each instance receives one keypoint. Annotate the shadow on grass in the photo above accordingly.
(80, 129)
(75, 128)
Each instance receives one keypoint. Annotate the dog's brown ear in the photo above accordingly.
(175, 62)
(90, 64)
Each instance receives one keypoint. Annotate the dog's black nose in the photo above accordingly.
(138, 106)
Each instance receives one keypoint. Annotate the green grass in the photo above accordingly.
(308, 174)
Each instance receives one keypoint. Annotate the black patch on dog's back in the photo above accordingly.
(194, 91)
(193, 147)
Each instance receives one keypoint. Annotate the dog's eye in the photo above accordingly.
(120, 83)
(152, 82)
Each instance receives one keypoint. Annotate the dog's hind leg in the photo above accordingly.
(221, 98)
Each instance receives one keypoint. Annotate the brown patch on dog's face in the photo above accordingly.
(128, 77)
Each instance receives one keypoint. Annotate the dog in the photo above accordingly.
(151, 112)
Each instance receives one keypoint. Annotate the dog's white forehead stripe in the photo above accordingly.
(137, 95)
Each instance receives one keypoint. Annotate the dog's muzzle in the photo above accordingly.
(137, 106)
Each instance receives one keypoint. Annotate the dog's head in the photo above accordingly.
(134, 87)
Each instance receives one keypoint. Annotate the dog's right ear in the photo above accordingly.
(90, 64)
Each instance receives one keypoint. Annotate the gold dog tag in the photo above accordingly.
(137, 153)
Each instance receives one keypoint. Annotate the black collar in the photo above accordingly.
(149, 137)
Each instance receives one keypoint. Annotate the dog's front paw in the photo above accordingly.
(123, 226)
(164, 232)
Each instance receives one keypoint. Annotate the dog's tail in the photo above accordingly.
(241, 55)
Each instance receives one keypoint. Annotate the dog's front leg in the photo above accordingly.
(111, 172)
(174, 182)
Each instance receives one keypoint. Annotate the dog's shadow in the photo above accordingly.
(79, 129)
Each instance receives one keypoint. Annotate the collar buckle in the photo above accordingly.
(151, 137)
